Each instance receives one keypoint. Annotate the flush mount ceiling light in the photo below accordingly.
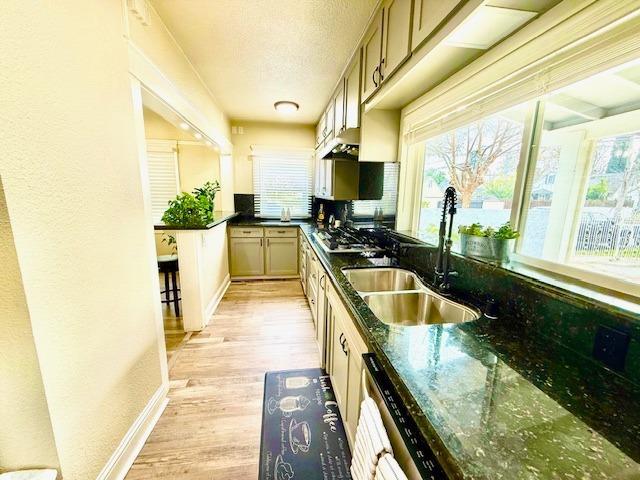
(184, 126)
(286, 107)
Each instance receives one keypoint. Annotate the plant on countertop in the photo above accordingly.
(208, 191)
(192, 210)
(505, 232)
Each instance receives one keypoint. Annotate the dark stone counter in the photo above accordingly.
(218, 218)
(496, 401)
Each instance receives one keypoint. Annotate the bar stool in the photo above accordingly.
(168, 264)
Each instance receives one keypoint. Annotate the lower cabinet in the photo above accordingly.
(269, 252)
(247, 256)
(281, 256)
(344, 361)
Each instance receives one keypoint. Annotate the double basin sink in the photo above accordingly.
(398, 297)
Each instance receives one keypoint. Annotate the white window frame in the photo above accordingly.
(290, 154)
(608, 39)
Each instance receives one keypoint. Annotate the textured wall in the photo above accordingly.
(26, 437)
(74, 194)
(266, 134)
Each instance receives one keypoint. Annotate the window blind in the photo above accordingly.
(164, 182)
(282, 180)
(389, 200)
(547, 63)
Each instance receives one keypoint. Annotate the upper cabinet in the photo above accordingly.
(386, 45)
(338, 110)
(427, 15)
(396, 46)
(371, 56)
(352, 93)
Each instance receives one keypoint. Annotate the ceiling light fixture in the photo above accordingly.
(184, 126)
(286, 107)
(198, 135)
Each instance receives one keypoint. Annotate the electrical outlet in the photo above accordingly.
(611, 346)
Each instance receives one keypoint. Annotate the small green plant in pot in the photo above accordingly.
(487, 243)
(192, 210)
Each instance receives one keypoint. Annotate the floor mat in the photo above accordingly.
(302, 432)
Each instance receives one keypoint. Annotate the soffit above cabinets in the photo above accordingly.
(471, 32)
(253, 53)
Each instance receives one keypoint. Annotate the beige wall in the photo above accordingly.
(156, 43)
(26, 437)
(266, 134)
(72, 182)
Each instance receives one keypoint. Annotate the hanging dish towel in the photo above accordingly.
(371, 442)
(388, 469)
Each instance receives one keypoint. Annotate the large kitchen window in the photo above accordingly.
(564, 168)
(282, 180)
(480, 160)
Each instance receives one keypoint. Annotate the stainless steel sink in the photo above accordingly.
(382, 279)
(398, 297)
(417, 308)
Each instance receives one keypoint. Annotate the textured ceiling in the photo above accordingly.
(252, 53)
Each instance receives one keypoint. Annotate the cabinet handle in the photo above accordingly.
(373, 75)
(322, 281)
(345, 348)
(260, 242)
(268, 242)
(247, 232)
(282, 231)
(380, 70)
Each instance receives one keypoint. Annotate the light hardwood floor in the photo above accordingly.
(211, 427)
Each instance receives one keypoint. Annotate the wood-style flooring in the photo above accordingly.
(211, 427)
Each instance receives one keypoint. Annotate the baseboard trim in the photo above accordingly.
(215, 301)
(130, 446)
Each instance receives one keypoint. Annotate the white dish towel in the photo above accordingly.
(388, 469)
(372, 442)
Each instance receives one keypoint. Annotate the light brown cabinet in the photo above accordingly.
(247, 256)
(371, 56)
(352, 93)
(427, 16)
(281, 256)
(338, 110)
(396, 44)
(258, 252)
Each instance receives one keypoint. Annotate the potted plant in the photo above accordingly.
(487, 243)
(192, 210)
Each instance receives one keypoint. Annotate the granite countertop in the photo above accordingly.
(495, 404)
(219, 216)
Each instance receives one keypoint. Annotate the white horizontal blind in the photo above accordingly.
(389, 200)
(163, 176)
(282, 180)
(506, 83)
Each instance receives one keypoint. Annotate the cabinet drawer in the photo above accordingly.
(281, 232)
(245, 232)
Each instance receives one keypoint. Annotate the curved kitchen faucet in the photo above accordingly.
(443, 261)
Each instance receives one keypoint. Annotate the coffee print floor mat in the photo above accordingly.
(302, 433)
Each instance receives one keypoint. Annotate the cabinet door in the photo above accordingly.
(340, 364)
(397, 36)
(427, 15)
(338, 110)
(354, 394)
(319, 133)
(352, 94)
(329, 122)
(247, 257)
(321, 319)
(371, 56)
(282, 256)
(328, 177)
